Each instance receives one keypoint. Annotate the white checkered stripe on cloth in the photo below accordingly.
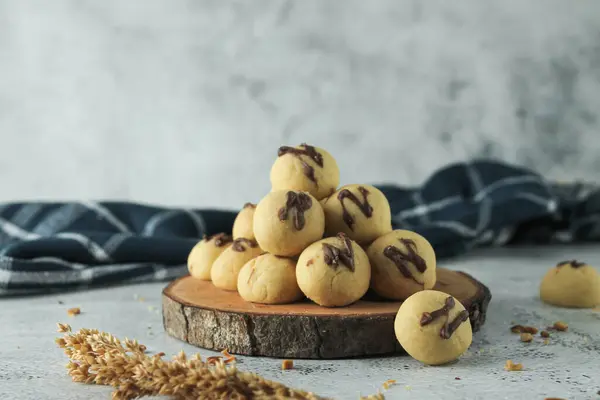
(46, 247)
(471, 204)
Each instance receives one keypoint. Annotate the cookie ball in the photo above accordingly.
(360, 211)
(433, 327)
(242, 225)
(204, 253)
(402, 264)
(286, 222)
(269, 279)
(225, 269)
(305, 168)
(334, 271)
(571, 284)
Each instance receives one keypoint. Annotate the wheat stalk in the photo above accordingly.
(99, 358)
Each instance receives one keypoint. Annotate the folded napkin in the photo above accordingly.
(49, 247)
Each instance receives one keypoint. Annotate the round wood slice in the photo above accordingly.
(198, 313)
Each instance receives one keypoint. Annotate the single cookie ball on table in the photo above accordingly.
(571, 284)
(360, 211)
(204, 253)
(334, 271)
(286, 222)
(269, 279)
(305, 169)
(433, 327)
(242, 225)
(402, 263)
(225, 269)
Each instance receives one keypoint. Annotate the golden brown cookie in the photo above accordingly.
(269, 279)
(433, 327)
(571, 284)
(402, 263)
(242, 226)
(360, 211)
(204, 253)
(305, 168)
(286, 222)
(333, 272)
(225, 269)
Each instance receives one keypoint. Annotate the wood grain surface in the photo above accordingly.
(200, 314)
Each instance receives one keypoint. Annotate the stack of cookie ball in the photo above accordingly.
(308, 237)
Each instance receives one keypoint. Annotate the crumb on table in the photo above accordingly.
(524, 329)
(530, 329)
(74, 311)
(63, 328)
(560, 326)
(544, 334)
(510, 366)
(388, 383)
(516, 328)
(213, 360)
(228, 357)
(287, 364)
(526, 337)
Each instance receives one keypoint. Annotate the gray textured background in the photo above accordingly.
(186, 102)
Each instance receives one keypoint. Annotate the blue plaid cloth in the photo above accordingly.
(48, 247)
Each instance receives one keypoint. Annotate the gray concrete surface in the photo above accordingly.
(184, 102)
(32, 368)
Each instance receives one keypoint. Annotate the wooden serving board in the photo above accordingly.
(200, 314)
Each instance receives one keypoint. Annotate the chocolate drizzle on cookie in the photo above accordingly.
(363, 205)
(238, 244)
(308, 151)
(220, 239)
(572, 263)
(449, 327)
(334, 256)
(402, 259)
(296, 204)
